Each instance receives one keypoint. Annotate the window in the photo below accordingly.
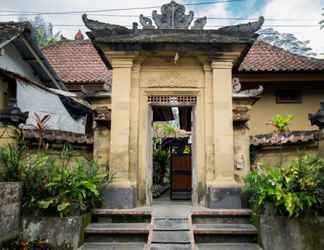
(288, 96)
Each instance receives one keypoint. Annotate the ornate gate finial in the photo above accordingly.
(173, 16)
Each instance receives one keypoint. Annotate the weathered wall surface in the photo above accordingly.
(46, 103)
(282, 233)
(266, 108)
(10, 195)
(12, 61)
(281, 155)
(60, 233)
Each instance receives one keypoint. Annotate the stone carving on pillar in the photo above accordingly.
(173, 16)
(237, 92)
(318, 118)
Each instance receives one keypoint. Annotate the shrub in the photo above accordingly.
(280, 123)
(294, 190)
(52, 186)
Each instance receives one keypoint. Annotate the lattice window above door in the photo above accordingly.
(173, 100)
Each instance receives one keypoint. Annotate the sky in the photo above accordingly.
(283, 15)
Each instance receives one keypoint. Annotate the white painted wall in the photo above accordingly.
(12, 61)
(33, 99)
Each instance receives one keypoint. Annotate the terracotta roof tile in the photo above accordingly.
(77, 62)
(264, 57)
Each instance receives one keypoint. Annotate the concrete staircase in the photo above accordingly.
(205, 229)
(171, 234)
(118, 230)
(228, 229)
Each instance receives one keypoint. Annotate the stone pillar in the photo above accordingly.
(121, 193)
(223, 191)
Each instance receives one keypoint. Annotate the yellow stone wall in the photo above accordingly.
(266, 107)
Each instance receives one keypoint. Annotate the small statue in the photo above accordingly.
(146, 22)
(200, 23)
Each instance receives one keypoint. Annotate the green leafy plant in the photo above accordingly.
(74, 190)
(293, 190)
(53, 186)
(280, 123)
(11, 159)
(160, 162)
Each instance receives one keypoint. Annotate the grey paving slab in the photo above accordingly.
(171, 224)
(170, 247)
(113, 246)
(180, 237)
(228, 246)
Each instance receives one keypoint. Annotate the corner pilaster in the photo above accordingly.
(223, 191)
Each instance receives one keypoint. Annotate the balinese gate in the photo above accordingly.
(174, 57)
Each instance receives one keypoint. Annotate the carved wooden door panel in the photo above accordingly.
(181, 177)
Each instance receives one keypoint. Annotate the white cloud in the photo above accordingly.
(297, 9)
(274, 8)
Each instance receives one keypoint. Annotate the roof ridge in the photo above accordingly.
(86, 41)
(289, 52)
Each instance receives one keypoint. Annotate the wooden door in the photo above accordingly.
(181, 177)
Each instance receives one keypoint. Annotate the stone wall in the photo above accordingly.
(60, 233)
(282, 233)
(10, 195)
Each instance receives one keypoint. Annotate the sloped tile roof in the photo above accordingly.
(264, 57)
(8, 30)
(77, 62)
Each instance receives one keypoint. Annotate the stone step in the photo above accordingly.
(232, 216)
(171, 247)
(113, 246)
(117, 232)
(224, 233)
(121, 215)
(170, 237)
(228, 246)
(170, 224)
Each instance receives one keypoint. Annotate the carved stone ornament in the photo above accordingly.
(247, 28)
(317, 119)
(237, 92)
(173, 16)
(171, 80)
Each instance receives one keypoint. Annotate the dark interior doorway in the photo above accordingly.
(172, 153)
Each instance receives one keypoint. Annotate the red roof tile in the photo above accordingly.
(77, 62)
(264, 57)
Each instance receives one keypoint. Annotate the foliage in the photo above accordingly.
(53, 186)
(286, 41)
(43, 31)
(294, 190)
(160, 163)
(73, 189)
(10, 159)
(281, 123)
(40, 127)
(163, 130)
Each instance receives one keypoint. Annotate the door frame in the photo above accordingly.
(149, 149)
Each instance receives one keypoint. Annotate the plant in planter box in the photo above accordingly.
(293, 190)
(280, 123)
